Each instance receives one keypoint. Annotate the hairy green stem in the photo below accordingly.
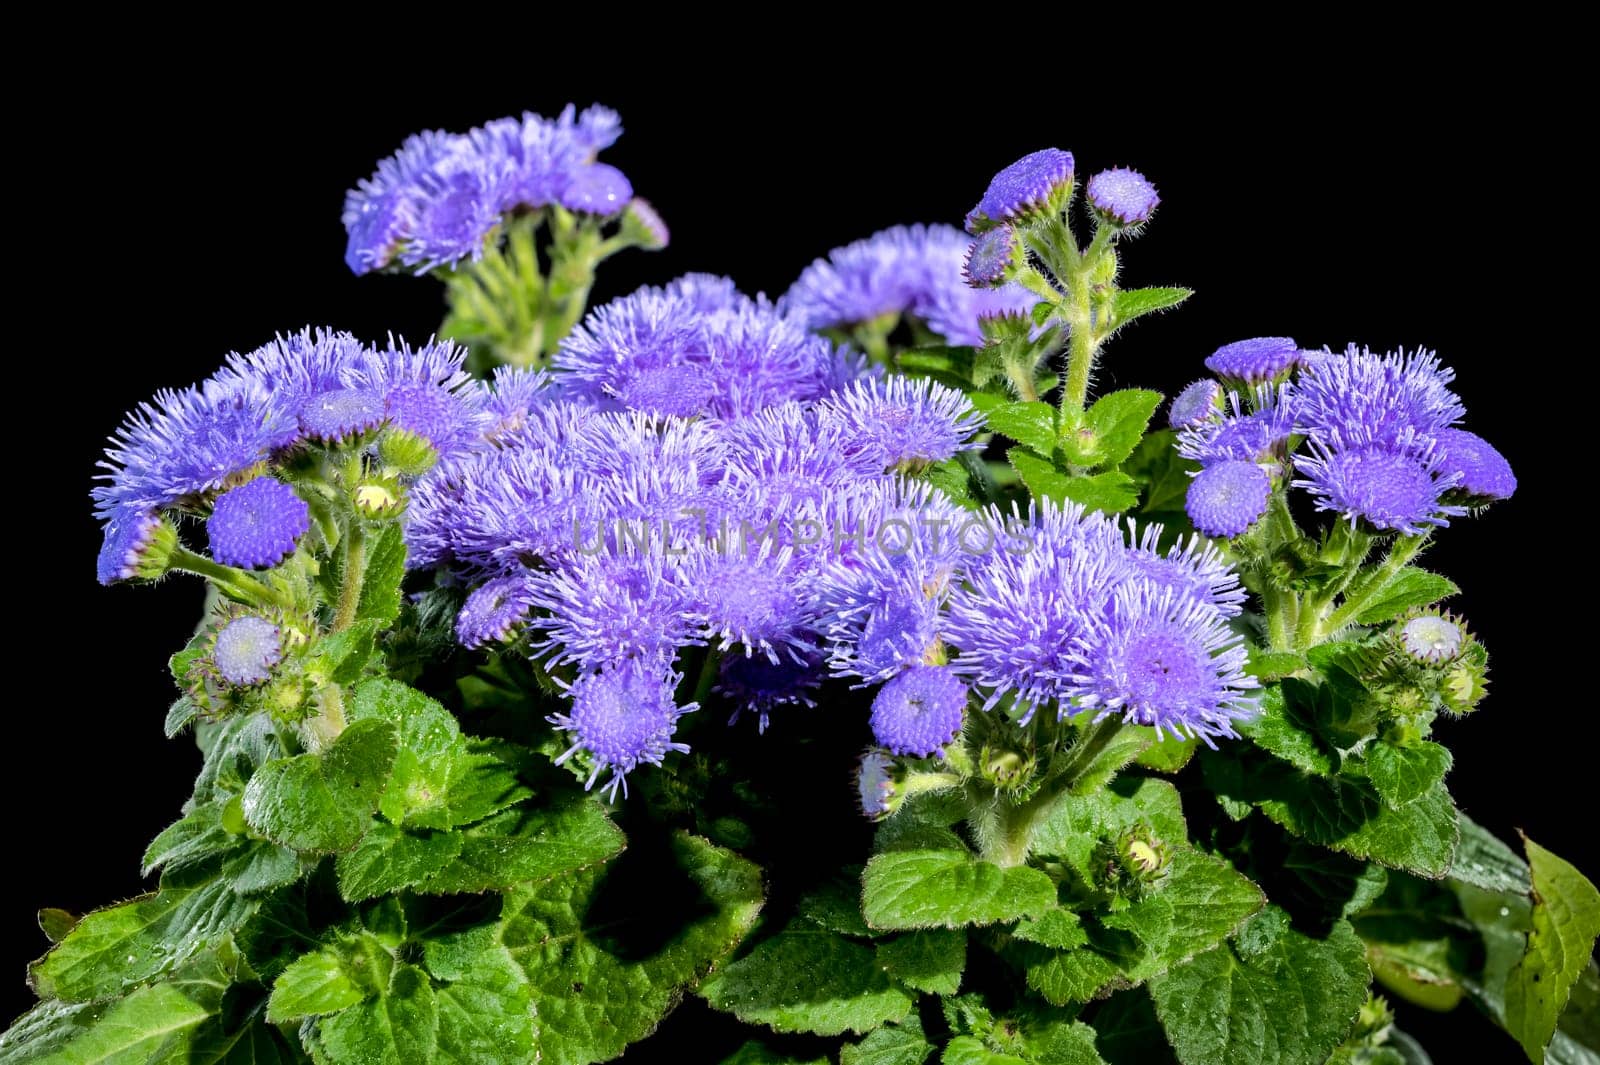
(235, 583)
(355, 571)
(1010, 838)
(1404, 550)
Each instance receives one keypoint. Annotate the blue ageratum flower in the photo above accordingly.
(1432, 639)
(1386, 399)
(1259, 435)
(130, 547)
(992, 258)
(756, 685)
(919, 711)
(1024, 608)
(1484, 473)
(916, 270)
(1191, 566)
(1227, 497)
(257, 524)
(341, 415)
(1122, 197)
(297, 366)
(246, 650)
(425, 391)
(441, 197)
(602, 609)
(1028, 188)
(901, 421)
(1164, 659)
(783, 464)
(493, 611)
(1397, 487)
(1254, 361)
(748, 599)
(186, 444)
(1197, 403)
(513, 395)
(623, 717)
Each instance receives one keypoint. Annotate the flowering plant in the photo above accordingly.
(524, 644)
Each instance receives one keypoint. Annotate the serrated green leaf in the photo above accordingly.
(56, 924)
(1283, 726)
(1268, 666)
(1079, 824)
(1132, 303)
(1483, 861)
(323, 803)
(591, 999)
(1565, 923)
(263, 866)
(969, 1050)
(1405, 774)
(1060, 1042)
(389, 859)
(1167, 754)
(930, 961)
(1112, 492)
(803, 980)
(251, 1042)
(942, 884)
(430, 751)
(198, 837)
(1032, 424)
(345, 654)
(1409, 587)
(180, 715)
(1041, 476)
(1343, 814)
(398, 1027)
(481, 785)
(569, 833)
(1127, 1031)
(111, 950)
(1117, 421)
(964, 478)
(386, 568)
(1271, 995)
(314, 984)
(1200, 903)
(1058, 928)
(835, 905)
(1327, 883)
(486, 1008)
(897, 1044)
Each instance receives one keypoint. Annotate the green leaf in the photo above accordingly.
(1042, 477)
(591, 998)
(1079, 824)
(1132, 303)
(1284, 728)
(263, 866)
(345, 654)
(1272, 995)
(1409, 587)
(56, 924)
(1483, 861)
(386, 568)
(199, 837)
(1405, 774)
(1118, 421)
(1162, 474)
(836, 905)
(1346, 815)
(969, 1050)
(430, 751)
(481, 785)
(803, 980)
(251, 1042)
(314, 984)
(389, 859)
(398, 1027)
(486, 1012)
(1201, 902)
(1167, 754)
(180, 715)
(899, 1044)
(323, 803)
(935, 881)
(569, 833)
(1032, 424)
(1058, 928)
(1566, 920)
(1111, 492)
(1329, 884)
(964, 478)
(948, 366)
(929, 961)
(111, 950)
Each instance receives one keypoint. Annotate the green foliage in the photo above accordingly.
(1409, 587)
(1565, 922)
(927, 878)
(323, 802)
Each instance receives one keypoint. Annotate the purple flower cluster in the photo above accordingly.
(205, 451)
(917, 271)
(1380, 443)
(439, 198)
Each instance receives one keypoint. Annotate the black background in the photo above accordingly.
(1390, 203)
